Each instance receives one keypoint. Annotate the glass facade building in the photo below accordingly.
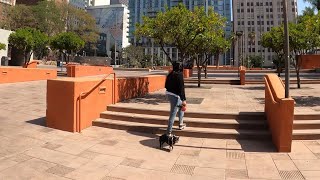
(140, 8)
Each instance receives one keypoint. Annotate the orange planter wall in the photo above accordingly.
(79, 71)
(242, 75)
(14, 74)
(63, 108)
(279, 112)
(32, 64)
(310, 61)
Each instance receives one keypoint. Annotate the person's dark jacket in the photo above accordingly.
(175, 84)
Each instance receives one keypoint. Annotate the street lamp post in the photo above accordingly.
(286, 49)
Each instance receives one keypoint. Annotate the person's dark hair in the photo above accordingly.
(177, 66)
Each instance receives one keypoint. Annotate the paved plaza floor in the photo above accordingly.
(29, 150)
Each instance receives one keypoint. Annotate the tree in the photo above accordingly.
(274, 40)
(210, 42)
(2, 46)
(135, 55)
(50, 17)
(83, 24)
(68, 43)
(28, 40)
(314, 3)
(254, 61)
(19, 16)
(176, 27)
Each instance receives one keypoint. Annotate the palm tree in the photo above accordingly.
(315, 3)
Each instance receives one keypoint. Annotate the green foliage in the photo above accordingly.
(177, 27)
(2, 46)
(134, 55)
(52, 18)
(19, 16)
(254, 62)
(314, 3)
(67, 43)
(28, 40)
(85, 27)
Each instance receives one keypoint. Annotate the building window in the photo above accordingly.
(257, 4)
(238, 10)
(239, 23)
(253, 49)
(249, 23)
(267, 9)
(251, 3)
(248, 4)
(252, 10)
(252, 22)
(271, 10)
(271, 3)
(248, 10)
(242, 10)
(241, 4)
(267, 3)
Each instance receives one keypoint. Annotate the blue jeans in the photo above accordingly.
(175, 102)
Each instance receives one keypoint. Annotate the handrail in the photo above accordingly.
(85, 94)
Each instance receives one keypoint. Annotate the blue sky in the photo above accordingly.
(301, 6)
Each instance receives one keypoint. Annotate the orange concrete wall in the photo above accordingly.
(79, 71)
(242, 70)
(131, 87)
(279, 112)
(310, 61)
(63, 108)
(15, 74)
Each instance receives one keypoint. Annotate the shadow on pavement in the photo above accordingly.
(306, 101)
(39, 121)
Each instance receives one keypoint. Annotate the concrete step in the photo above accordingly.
(236, 116)
(231, 82)
(305, 81)
(191, 122)
(308, 117)
(306, 134)
(188, 131)
(305, 124)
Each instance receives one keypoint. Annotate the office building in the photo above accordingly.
(252, 18)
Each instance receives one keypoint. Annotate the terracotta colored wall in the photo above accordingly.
(79, 71)
(310, 61)
(14, 74)
(62, 107)
(279, 112)
(131, 87)
(242, 75)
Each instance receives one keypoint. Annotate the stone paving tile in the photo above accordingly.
(261, 166)
(300, 151)
(285, 165)
(51, 146)
(60, 170)
(280, 156)
(294, 174)
(209, 172)
(308, 165)
(20, 158)
(96, 168)
(236, 164)
(312, 175)
(236, 173)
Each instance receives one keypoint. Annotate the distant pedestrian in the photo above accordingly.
(176, 95)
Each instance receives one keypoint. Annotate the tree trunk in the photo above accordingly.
(279, 71)
(199, 75)
(205, 71)
(216, 60)
(298, 78)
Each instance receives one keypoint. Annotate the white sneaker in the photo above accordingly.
(182, 126)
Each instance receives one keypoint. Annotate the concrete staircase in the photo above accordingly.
(221, 126)
(250, 125)
(306, 127)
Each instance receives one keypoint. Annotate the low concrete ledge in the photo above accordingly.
(84, 98)
(80, 71)
(17, 74)
(133, 69)
(279, 112)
